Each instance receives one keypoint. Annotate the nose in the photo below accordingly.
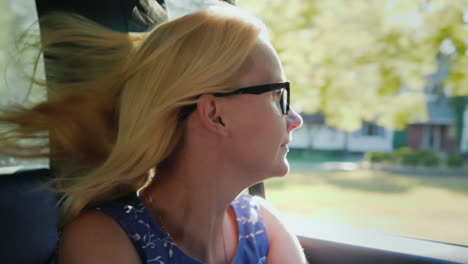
(294, 120)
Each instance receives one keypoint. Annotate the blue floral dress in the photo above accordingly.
(154, 245)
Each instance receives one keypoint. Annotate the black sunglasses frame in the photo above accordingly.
(257, 89)
(264, 88)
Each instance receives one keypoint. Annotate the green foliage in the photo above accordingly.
(377, 157)
(455, 160)
(428, 158)
(349, 59)
(407, 156)
(314, 156)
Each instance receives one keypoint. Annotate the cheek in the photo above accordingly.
(259, 126)
(255, 142)
(260, 135)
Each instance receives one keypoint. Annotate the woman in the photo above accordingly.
(162, 131)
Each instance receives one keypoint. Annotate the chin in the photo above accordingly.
(283, 169)
(278, 169)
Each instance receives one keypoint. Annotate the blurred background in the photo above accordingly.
(382, 89)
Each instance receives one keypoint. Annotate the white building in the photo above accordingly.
(315, 134)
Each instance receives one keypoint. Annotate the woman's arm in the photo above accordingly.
(94, 237)
(284, 245)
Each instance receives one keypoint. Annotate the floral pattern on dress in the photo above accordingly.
(155, 246)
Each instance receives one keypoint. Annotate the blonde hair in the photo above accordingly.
(115, 98)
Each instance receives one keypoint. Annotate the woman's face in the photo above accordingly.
(259, 131)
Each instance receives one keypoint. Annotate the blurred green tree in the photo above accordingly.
(367, 60)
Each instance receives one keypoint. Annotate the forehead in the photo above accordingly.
(262, 66)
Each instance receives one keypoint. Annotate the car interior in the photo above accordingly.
(29, 206)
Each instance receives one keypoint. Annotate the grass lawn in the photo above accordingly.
(430, 207)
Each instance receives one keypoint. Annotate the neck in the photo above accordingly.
(190, 202)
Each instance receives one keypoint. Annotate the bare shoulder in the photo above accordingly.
(272, 219)
(94, 237)
(284, 245)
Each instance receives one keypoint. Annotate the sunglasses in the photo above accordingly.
(257, 89)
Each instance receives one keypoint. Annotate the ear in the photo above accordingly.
(210, 113)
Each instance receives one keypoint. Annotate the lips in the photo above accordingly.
(288, 140)
(286, 143)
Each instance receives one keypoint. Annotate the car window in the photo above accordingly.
(18, 31)
(382, 89)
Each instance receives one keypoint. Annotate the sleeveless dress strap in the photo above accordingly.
(253, 238)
